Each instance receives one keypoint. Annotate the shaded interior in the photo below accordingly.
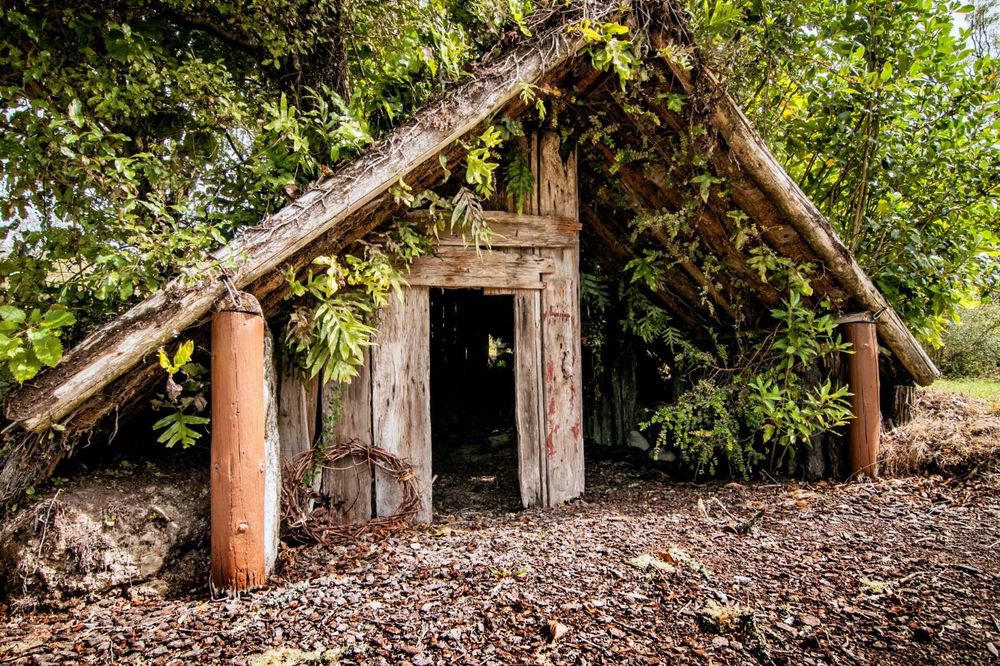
(474, 437)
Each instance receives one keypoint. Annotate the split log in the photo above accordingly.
(347, 416)
(272, 457)
(562, 370)
(516, 230)
(904, 400)
(298, 404)
(532, 474)
(238, 453)
(465, 268)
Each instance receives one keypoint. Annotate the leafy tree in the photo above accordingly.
(139, 135)
(888, 119)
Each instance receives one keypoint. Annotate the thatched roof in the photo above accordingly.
(101, 372)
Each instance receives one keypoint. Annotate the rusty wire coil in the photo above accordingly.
(301, 519)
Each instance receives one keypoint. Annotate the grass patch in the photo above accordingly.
(985, 389)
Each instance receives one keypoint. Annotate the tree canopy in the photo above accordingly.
(139, 135)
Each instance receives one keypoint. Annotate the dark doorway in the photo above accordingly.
(474, 437)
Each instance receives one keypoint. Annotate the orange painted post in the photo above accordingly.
(865, 428)
(238, 455)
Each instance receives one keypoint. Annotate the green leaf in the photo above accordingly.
(57, 317)
(46, 345)
(75, 112)
(23, 364)
(11, 314)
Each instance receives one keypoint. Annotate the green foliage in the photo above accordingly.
(732, 412)
(184, 399)
(329, 338)
(139, 137)
(177, 429)
(609, 50)
(705, 430)
(594, 294)
(180, 359)
(886, 114)
(479, 164)
(518, 179)
(30, 340)
(330, 327)
(972, 347)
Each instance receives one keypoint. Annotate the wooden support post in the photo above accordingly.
(562, 365)
(238, 451)
(531, 472)
(864, 430)
(298, 402)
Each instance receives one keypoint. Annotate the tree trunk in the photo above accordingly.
(904, 400)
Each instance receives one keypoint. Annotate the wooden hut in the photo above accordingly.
(534, 260)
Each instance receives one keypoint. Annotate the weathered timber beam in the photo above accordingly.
(516, 230)
(118, 346)
(757, 161)
(464, 268)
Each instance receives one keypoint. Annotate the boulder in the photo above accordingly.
(637, 441)
(141, 530)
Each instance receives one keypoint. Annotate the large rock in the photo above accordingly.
(142, 530)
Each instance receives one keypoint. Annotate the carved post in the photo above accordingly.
(865, 429)
(238, 451)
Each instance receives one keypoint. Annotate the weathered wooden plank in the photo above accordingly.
(401, 408)
(562, 364)
(518, 230)
(297, 410)
(347, 415)
(463, 269)
(529, 391)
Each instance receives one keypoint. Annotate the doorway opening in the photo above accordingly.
(472, 387)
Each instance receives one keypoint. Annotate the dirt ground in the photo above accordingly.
(643, 570)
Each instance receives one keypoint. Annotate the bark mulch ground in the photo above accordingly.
(641, 571)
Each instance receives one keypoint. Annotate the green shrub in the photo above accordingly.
(972, 347)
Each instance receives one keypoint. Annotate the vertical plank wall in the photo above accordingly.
(347, 412)
(562, 366)
(401, 407)
(297, 404)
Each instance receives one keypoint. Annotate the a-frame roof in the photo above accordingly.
(106, 368)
